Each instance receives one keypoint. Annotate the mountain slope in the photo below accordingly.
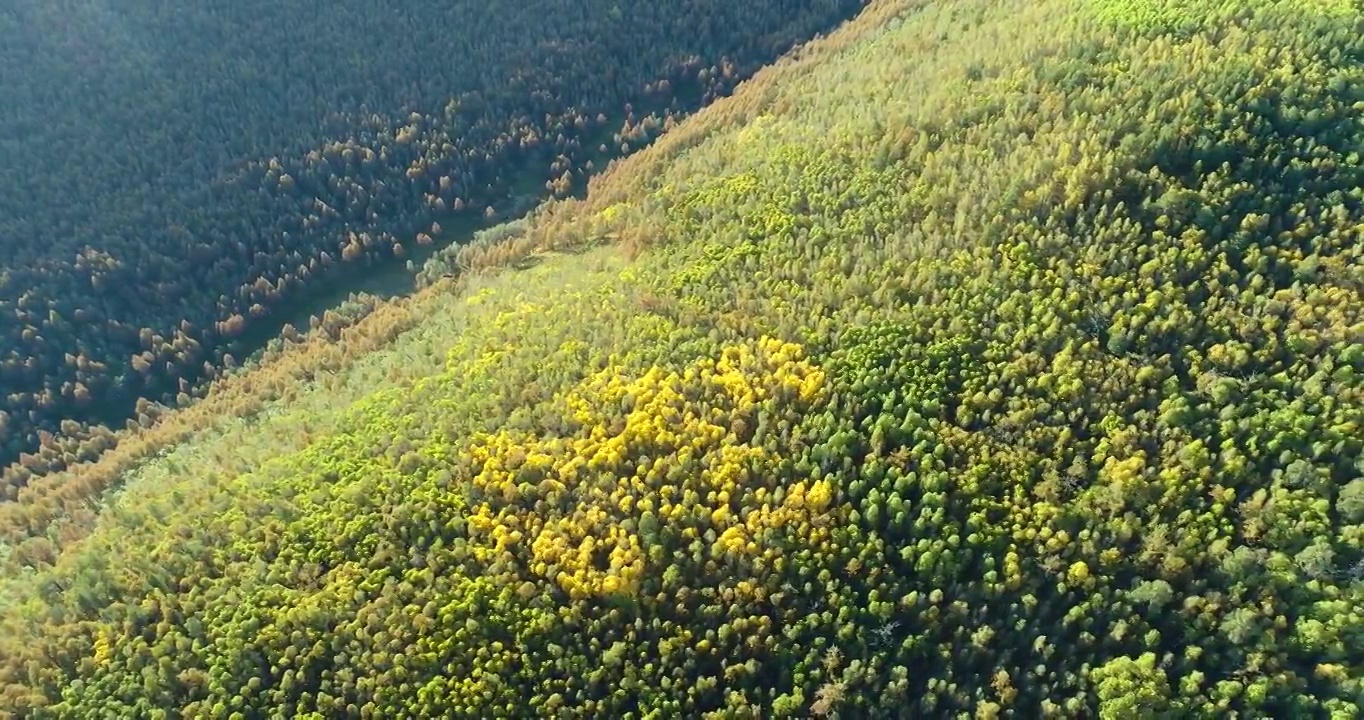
(179, 178)
(986, 358)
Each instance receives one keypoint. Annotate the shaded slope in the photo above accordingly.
(1064, 417)
(176, 174)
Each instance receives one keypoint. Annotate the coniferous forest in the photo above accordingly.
(897, 359)
(175, 174)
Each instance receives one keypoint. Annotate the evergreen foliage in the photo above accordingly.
(179, 176)
(982, 359)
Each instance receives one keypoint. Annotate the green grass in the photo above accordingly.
(991, 360)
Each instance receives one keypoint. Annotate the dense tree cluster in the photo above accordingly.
(990, 359)
(174, 174)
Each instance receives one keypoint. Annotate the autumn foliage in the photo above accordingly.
(982, 359)
(177, 176)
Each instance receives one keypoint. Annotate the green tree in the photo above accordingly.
(1132, 689)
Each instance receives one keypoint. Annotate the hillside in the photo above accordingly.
(988, 358)
(181, 178)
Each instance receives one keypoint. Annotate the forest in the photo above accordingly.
(974, 359)
(176, 175)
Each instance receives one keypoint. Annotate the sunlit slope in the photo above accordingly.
(182, 179)
(989, 359)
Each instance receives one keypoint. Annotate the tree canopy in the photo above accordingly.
(980, 359)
